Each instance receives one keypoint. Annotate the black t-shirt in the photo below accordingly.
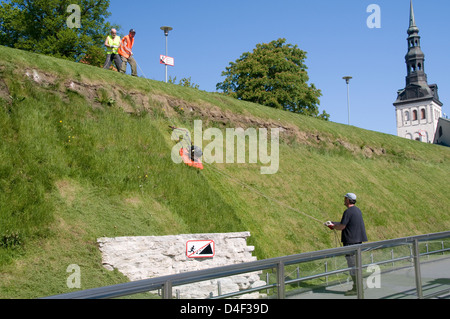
(355, 230)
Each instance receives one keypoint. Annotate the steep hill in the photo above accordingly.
(86, 153)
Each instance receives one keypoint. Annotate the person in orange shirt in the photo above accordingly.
(126, 53)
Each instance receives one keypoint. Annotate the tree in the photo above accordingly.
(95, 56)
(41, 26)
(274, 74)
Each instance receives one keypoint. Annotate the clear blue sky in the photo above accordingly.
(209, 34)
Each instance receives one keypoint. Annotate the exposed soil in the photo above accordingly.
(103, 95)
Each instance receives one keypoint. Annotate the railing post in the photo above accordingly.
(416, 255)
(280, 281)
(167, 290)
(359, 274)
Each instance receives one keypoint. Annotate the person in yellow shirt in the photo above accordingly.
(112, 42)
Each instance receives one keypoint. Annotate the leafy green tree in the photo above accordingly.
(42, 26)
(95, 56)
(274, 74)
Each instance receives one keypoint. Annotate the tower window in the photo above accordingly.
(406, 116)
(414, 115)
(423, 115)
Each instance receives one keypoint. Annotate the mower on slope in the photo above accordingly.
(190, 154)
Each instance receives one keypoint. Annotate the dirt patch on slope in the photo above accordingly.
(4, 91)
(67, 190)
(213, 114)
(41, 77)
(133, 102)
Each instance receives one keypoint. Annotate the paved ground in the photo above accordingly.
(398, 284)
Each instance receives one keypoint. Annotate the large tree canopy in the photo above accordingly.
(41, 26)
(274, 74)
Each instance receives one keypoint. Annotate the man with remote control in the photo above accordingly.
(353, 233)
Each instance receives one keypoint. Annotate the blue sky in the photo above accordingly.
(208, 34)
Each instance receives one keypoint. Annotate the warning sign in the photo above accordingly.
(167, 60)
(200, 248)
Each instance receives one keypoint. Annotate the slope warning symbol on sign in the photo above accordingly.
(200, 249)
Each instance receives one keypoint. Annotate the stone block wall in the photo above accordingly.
(154, 256)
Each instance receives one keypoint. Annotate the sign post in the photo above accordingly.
(166, 33)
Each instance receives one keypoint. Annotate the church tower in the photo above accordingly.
(418, 108)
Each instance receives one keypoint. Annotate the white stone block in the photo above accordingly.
(153, 256)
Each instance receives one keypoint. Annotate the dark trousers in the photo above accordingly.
(351, 260)
(115, 58)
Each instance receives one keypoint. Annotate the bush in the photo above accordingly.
(10, 240)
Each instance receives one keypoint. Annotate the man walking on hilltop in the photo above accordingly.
(112, 42)
(353, 233)
(126, 53)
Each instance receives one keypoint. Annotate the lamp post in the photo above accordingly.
(347, 80)
(166, 33)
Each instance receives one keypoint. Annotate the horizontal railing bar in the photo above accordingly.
(243, 292)
(405, 240)
(437, 293)
(388, 261)
(435, 252)
(292, 281)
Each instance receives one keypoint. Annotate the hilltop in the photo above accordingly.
(86, 153)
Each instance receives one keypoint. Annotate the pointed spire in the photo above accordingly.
(416, 80)
(412, 20)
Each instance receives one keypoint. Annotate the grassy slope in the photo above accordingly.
(74, 168)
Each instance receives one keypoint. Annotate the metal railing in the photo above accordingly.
(166, 283)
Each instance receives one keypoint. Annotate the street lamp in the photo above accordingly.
(347, 80)
(166, 33)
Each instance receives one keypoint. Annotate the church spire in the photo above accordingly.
(415, 59)
(412, 20)
(417, 86)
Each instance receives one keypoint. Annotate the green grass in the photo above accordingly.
(79, 164)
